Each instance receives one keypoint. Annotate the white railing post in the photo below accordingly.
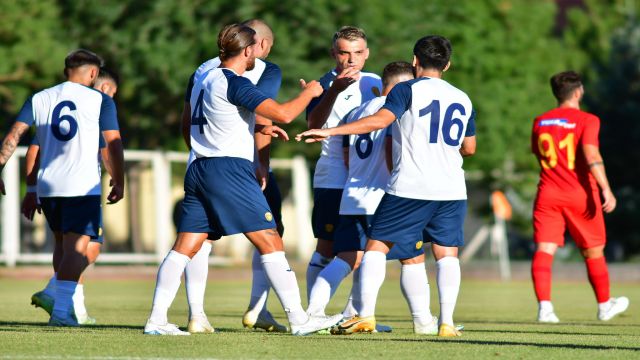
(302, 199)
(11, 212)
(162, 193)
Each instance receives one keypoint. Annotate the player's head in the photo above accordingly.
(432, 52)
(237, 40)
(395, 72)
(567, 85)
(264, 37)
(107, 82)
(82, 66)
(350, 48)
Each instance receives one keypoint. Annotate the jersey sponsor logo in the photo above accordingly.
(558, 122)
(268, 216)
(347, 97)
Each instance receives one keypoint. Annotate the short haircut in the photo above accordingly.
(350, 33)
(233, 39)
(260, 27)
(433, 51)
(108, 75)
(564, 84)
(81, 57)
(394, 70)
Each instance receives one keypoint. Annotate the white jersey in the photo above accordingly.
(433, 117)
(69, 119)
(265, 75)
(368, 173)
(330, 172)
(223, 118)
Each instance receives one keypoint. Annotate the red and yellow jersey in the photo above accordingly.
(556, 140)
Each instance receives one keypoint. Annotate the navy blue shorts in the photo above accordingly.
(222, 197)
(77, 214)
(409, 221)
(274, 199)
(326, 212)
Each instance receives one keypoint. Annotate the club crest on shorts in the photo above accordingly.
(268, 216)
(419, 245)
(328, 227)
(100, 231)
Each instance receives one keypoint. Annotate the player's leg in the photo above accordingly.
(44, 298)
(195, 279)
(548, 234)
(93, 251)
(283, 281)
(415, 288)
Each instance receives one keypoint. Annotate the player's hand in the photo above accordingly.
(610, 201)
(274, 131)
(2, 188)
(116, 194)
(313, 135)
(347, 77)
(262, 174)
(313, 87)
(30, 206)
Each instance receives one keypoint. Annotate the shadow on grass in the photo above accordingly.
(497, 343)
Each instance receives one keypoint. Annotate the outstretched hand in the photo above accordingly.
(313, 135)
(274, 131)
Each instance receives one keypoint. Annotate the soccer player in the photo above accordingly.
(69, 119)
(267, 77)
(369, 166)
(433, 128)
(345, 88)
(572, 175)
(106, 82)
(222, 195)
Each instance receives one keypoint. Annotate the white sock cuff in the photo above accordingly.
(448, 260)
(206, 247)
(178, 258)
(375, 256)
(274, 257)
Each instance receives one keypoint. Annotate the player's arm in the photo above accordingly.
(12, 139)
(110, 129)
(388, 152)
(287, 112)
(104, 155)
(269, 84)
(186, 114)
(596, 166)
(345, 150)
(32, 164)
(320, 113)
(377, 121)
(468, 146)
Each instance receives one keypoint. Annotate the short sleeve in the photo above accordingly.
(591, 131)
(108, 115)
(34, 141)
(102, 142)
(241, 92)
(270, 80)
(187, 94)
(26, 113)
(399, 99)
(471, 125)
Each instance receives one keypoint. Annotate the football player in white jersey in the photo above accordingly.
(222, 195)
(345, 88)
(368, 158)
(433, 128)
(267, 77)
(69, 120)
(107, 82)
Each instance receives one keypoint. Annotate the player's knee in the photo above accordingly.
(549, 248)
(593, 253)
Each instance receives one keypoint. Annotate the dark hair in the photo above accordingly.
(233, 39)
(564, 84)
(395, 69)
(350, 33)
(106, 74)
(433, 51)
(79, 58)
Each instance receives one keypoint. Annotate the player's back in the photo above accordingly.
(434, 118)
(556, 140)
(68, 119)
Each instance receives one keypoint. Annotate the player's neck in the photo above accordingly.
(430, 73)
(79, 80)
(569, 104)
(237, 66)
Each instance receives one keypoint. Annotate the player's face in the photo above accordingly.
(350, 54)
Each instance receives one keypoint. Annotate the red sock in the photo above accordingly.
(541, 274)
(599, 278)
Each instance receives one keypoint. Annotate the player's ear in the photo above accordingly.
(414, 62)
(366, 53)
(446, 67)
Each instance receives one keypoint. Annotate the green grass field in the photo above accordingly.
(499, 319)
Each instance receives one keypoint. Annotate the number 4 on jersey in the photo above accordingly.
(197, 116)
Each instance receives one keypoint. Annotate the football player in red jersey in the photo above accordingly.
(572, 180)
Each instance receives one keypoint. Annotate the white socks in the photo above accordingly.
(316, 265)
(167, 285)
(50, 289)
(415, 288)
(64, 298)
(195, 280)
(78, 300)
(546, 306)
(448, 279)
(259, 286)
(355, 299)
(284, 283)
(372, 272)
(326, 285)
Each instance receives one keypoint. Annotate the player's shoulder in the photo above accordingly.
(270, 67)
(370, 75)
(206, 66)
